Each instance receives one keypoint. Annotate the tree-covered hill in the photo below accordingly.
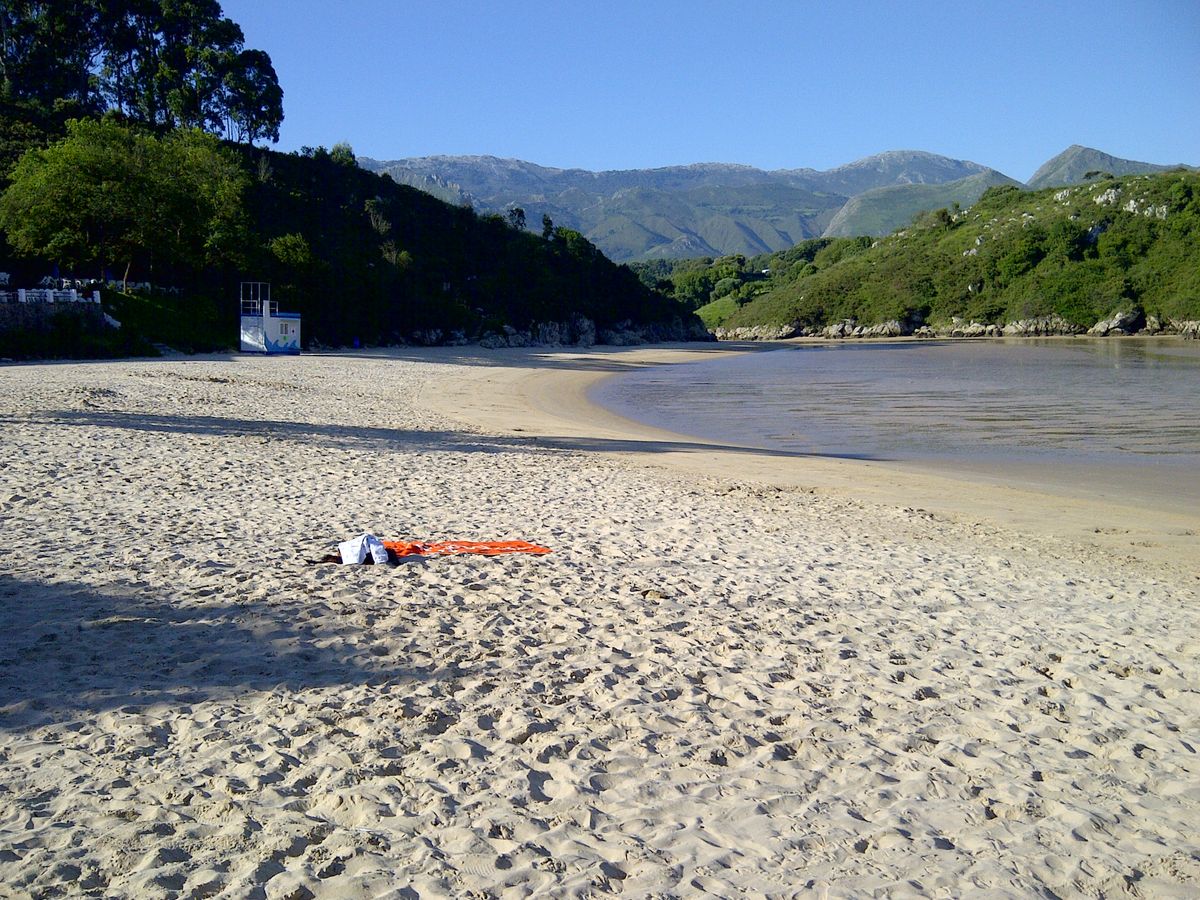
(127, 153)
(361, 256)
(1081, 252)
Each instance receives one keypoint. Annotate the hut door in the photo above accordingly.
(253, 337)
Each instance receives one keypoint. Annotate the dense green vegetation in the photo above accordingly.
(717, 288)
(107, 195)
(112, 169)
(1082, 253)
(361, 256)
(161, 63)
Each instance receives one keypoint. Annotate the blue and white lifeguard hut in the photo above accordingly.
(264, 328)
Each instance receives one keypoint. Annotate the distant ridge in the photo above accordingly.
(1073, 164)
(703, 209)
(719, 209)
(896, 167)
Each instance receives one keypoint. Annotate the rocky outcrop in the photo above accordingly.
(435, 337)
(626, 333)
(1120, 323)
(1041, 326)
(1135, 322)
(578, 331)
(961, 328)
(759, 333)
(890, 328)
(843, 329)
(1188, 330)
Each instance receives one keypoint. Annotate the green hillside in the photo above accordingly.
(360, 257)
(1082, 253)
(386, 260)
(882, 210)
(171, 191)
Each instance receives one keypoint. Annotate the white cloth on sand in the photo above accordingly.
(354, 551)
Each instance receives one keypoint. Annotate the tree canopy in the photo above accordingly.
(164, 63)
(109, 195)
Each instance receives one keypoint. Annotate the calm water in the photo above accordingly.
(1079, 408)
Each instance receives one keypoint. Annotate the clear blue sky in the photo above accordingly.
(785, 84)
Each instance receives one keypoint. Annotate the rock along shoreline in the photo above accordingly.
(1120, 323)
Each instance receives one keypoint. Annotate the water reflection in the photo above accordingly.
(1080, 400)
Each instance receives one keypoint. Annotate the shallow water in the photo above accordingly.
(1062, 410)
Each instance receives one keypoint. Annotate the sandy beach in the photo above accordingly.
(738, 674)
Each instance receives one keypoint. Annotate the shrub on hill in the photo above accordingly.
(1081, 253)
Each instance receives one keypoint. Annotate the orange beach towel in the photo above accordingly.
(449, 548)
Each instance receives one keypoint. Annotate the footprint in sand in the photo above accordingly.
(537, 785)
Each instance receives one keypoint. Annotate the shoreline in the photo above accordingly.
(551, 387)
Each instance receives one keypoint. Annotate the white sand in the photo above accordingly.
(738, 673)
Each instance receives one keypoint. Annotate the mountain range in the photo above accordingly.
(718, 209)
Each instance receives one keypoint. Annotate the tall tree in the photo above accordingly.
(196, 47)
(252, 99)
(48, 51)
(166, 63)
(108, 195)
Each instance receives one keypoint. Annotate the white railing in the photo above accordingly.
(49, 295)
(267, 308)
